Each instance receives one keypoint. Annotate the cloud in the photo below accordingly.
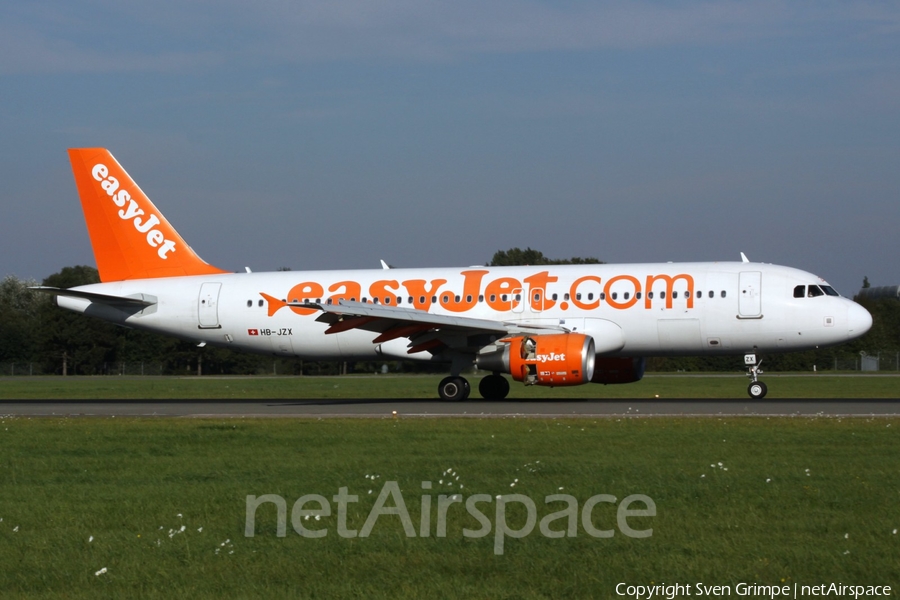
(107, 36)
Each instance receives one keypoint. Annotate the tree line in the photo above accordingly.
(34, 331)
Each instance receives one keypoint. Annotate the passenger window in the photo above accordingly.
(662, 295)
(566, 296)
(445, 299)
(421, 299)
(493, 297)
(800, 291)
(712, 294)
(469, 298)
(674, 294)
(626, 295)
(591, 296)
(433, 299)
(603, 295)
(650, 295)
(260, 303)
(578, 296)
(638, 295)
(553, 296)
(723, 293)
(387, 299)
(503, 298)
(249, 303)
(328, 301)
(615, 295)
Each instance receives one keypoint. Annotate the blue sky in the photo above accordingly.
(333, 134)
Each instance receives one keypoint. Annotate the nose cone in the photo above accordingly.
(859, 321)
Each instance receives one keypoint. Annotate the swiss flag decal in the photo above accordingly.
(253, 332)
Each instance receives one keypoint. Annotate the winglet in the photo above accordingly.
(744, 258)
(130, 237)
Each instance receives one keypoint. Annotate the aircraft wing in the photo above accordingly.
(137, 300)
(426, 331)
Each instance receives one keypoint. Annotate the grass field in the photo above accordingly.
(160, 505)
(425, 386)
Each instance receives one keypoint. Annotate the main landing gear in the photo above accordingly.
(757, 389)
(456, 388)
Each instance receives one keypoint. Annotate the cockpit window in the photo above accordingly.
(814, 291)
(830, 291)
(800, 291)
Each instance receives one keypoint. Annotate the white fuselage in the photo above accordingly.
(695, 308)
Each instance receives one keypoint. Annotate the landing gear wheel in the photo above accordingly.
(493, 387)
(454, 389)
(757, 390)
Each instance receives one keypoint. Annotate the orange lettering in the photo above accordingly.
(379, 290)
(420, 294)
(308, 290)
(469, 297)
(670, 283)
(628, 303)
(496, 289)
(351, 291)
(537, 284)
(573, 293)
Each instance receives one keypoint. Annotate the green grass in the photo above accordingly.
(827, 513)
(425, 386)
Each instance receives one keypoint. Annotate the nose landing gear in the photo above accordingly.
(757, 389)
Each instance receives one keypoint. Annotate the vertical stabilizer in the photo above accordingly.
(130, 237)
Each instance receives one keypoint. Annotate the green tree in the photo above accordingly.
(70, 342)
(528, 256)
(19, 319)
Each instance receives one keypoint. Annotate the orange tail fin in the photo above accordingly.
(130, 237)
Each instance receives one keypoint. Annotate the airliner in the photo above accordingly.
(558, 325)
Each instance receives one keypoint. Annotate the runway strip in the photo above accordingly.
(428, 408)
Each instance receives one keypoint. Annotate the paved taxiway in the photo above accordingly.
(428, 408)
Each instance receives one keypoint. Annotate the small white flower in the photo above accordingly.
(768, 480)
(720, 464)
(199, 530)
(512, 485)
(702, 476)
(178, 515)
(15, 529)
(90, 539)
(318, 517)
(100, 572)
(441, 481)
(895, 532)
(370, 491)
(846, 536)
(561, 489)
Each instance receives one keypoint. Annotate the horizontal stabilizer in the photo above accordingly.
(141, 300)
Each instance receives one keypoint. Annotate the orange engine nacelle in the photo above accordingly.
(554, 359)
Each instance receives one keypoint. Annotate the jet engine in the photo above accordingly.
(618, 370)
(553, 359)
